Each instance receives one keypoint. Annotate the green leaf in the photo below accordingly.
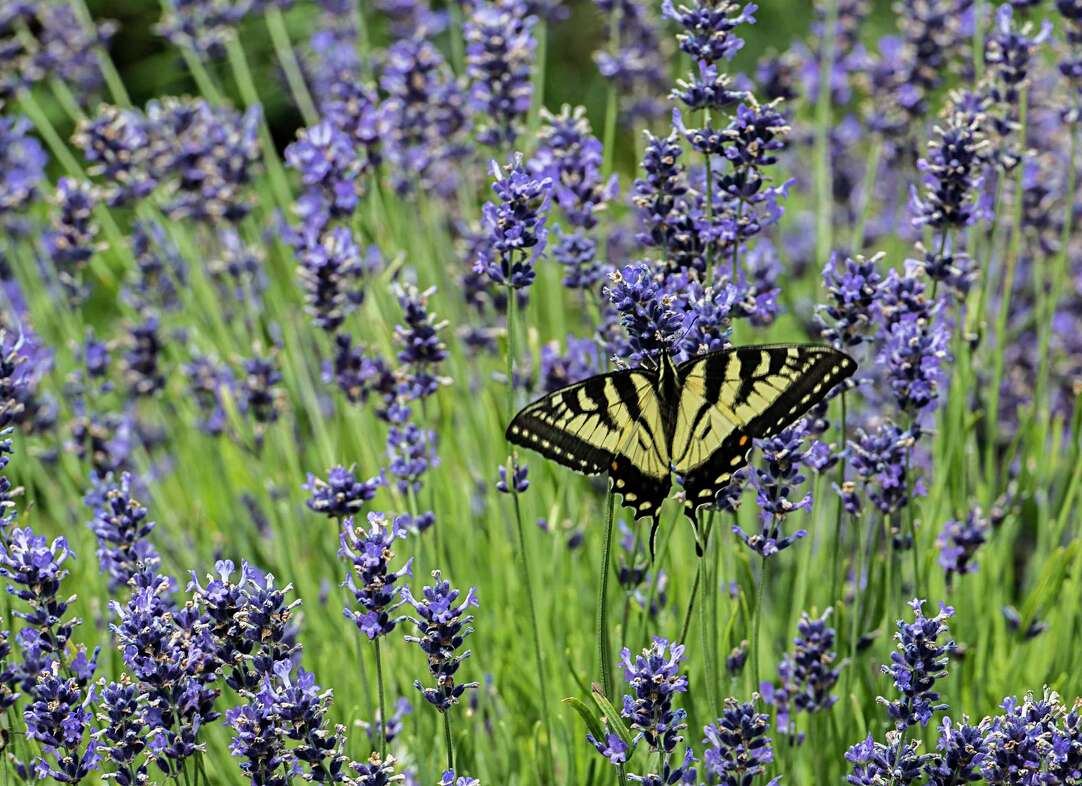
(616, 723)
(593, 723)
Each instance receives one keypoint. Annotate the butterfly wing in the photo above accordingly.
(609, 423)
(731, 397)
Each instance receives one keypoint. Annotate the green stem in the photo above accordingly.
(447, 739)
(208, 88)
(382, 701)
(755, 624)
(603, 646)
(524, 556)
(287, 57)
(840, 515)
(708, 645)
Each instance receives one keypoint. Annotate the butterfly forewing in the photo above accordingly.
(731, 397)
(609, 423)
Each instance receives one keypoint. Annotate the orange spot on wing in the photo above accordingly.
(743, 440)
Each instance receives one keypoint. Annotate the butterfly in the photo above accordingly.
(697, 419)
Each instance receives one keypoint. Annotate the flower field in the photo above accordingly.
(270, 299)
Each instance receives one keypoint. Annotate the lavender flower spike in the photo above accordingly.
(370, 580)
(919, 661)
(442, 624)
(515, 225)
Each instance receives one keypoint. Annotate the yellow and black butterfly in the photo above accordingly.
(697, 419)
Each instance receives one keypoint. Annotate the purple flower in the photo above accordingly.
(1008, 52)
(208, 155)
(645, 310)
(959, 542)
(22, 162)
(517, 483)
(920, 660)
(515, 225)
(121, 736)
(142, 360)
(774, 484)
(121, 528)
(635, 61)
(35, 569)
(874, 763)
(58, 717)
(421, 347)
(73, 238)
(207, 381)
(371, 581)
(914, 352)
(738, 748)
(448, 779)
(356, 373)
(654, 678)
(174, 658)
(852, 284)
(161, 271)
(68, 49)
(411, 452)
(341, 494)
(203, 25)
(809, 670)
(709, 28)
(571, 156)
(577, 253)
(259, 391)
(376, 771)
(961, 752)
(499, 57)
(424, 114)
(1020, 741)
(325, 158)
(612, 747)
(116, 142)
(442, 624)
(558, 370)
(952, 175)
(879, 459)
(394, 725)
(259, 739)
(329, 266)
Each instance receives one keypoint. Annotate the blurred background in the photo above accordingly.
(151, 66)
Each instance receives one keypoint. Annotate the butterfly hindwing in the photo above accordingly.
(732, 397)
(611, 424)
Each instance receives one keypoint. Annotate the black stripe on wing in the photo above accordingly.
(702, 484)
(588, 446)
(825, 369)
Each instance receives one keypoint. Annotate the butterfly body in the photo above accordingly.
(697, 419)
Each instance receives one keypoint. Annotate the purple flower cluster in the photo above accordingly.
(959, 542)
(421, 348)
(514, 225)
(121, 528)
(499, 57)
(655, 678)
(646, 312)
(117, 143)
(329, 266)
(371, 581)
(22, 162)
(774, 485)
(442, 624)
(341, 494)
(920, 660)
(325, 158)
(738, 748)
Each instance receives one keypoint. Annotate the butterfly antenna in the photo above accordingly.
(687, 330)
